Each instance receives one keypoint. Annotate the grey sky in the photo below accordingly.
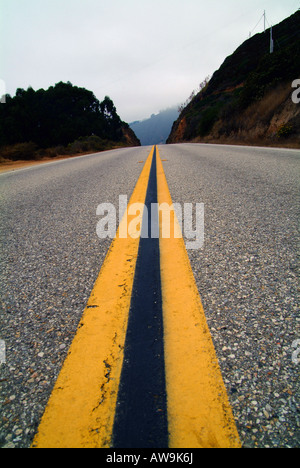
(145, 54)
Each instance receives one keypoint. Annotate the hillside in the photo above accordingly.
(248, 100)
(156, 129)
(62, 120)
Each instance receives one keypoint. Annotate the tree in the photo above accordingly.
(113, 121)
(195, 92)
(57, 116)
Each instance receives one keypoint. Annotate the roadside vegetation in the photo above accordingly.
(63, 120)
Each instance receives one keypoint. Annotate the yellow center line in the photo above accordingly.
(80, 411)
(199, 414)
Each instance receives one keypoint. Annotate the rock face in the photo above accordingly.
(129, 137)
(249, 99)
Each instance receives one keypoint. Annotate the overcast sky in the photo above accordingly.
(147, 55)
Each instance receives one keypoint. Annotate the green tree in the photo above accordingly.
(57, 116)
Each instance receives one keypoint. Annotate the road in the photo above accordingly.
(246, 274)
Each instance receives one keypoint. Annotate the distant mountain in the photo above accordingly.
(249, 99)
(156, 129)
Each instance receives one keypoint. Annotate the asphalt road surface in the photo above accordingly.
(246, 274)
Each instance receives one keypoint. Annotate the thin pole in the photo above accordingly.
(271, 41)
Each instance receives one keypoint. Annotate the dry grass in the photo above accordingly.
(263, 110)
(273, 121)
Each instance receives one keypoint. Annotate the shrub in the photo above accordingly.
(284, 131)
(20, 151)
(85, 144)
(209, 118)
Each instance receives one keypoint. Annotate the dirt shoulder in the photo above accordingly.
(8, 166)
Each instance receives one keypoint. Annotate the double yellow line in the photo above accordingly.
(81, 409)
